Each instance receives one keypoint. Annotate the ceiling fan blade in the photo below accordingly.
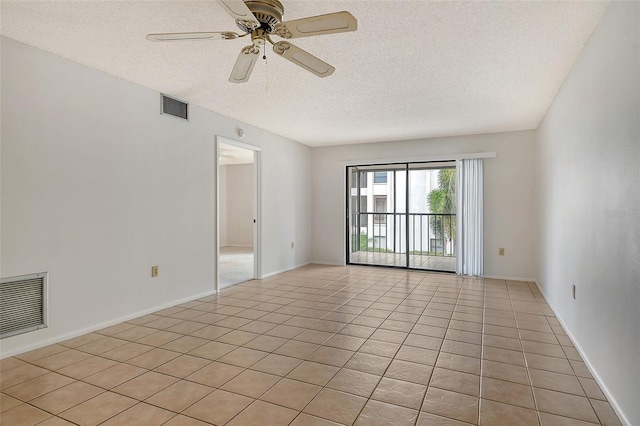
(192, 36)
(303, 58)
(244, 65)
(339, 22)
(240, 12)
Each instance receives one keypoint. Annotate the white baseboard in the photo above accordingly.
(585, 358)
(235, 245)
(71, 335)
(320, 262)
(271, 274)
(500, 277)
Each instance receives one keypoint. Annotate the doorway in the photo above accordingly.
(402, 215)
(237, 219)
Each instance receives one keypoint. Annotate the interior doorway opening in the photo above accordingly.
(238, 201)
(402, 215)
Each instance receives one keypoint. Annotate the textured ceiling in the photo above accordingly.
(413, 69)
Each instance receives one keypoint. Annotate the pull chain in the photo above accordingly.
(266, 62)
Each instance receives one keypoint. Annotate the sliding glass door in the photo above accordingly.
(402, 215)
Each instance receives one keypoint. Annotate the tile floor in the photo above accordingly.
(319, 346)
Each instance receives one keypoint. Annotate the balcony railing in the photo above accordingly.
(430, 234)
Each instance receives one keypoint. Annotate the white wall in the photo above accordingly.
(589, 166)
(239, 207)
(508, 194)
(222, 199)
(97, 187)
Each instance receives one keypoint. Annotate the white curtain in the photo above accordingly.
(469, 257)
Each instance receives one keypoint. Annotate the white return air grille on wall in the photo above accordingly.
(23, 302)
(174, 107)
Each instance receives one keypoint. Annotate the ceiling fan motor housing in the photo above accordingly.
(268, 12)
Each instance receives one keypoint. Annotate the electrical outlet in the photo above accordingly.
(573, 291)
(501, 251)
(154, 271)
(292, 244)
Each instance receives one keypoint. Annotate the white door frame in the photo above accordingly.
(257, 206)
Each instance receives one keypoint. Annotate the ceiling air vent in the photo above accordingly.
(23, 302)
(174, 107)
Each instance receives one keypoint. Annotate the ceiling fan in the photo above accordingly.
(262, 19)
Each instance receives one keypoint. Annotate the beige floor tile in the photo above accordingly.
(451, 404)
(284, 331)
(135, 333)
(313, 336)
(580, 369)
(308, 420)
(508, 372)
(145, 385)
(98, 409)
(62, 359)
(547, 419)
(66, 397)
(181, 420)
(556, 381)
(497, 414)
(227, 404)
(276, 364)
(126, 351)
(210, 332)
(213, 350)
(376, 413)
(357, 331)
(549, 363)
(507, 392)
(428, 419)
(102, 345)
(141, 414)
(87, 367)
(81, 340)
(159, 338)
(55, 421)
(24, 415)
(215, 374)
(461, 348)
(179, 395)
(354, 382)
(376, 347)
(543, 349)
(389, 336)
(418, 355)
(455, 381)
(461, 363)
(504, 356)
(341, 341)
(26, 391)
(313, 372)
(297, 349)
(409, 372)
(592, 389)
(261, 413)
(251, 383)
(185, 344)
(605, 413)
(398, 392)
(152, 359)
(182, 366)
(9, 363)
(37, 354)
(291, 394)
(7, 402)
(367, 363)
(336, 406)
(331, 356)
(113, 376)
(243, 357)
(237, 337)
(266, 343)
(564, 404)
